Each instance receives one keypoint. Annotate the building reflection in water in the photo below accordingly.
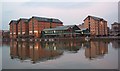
(96, 49)
(115, 44)
(32, 51)
(42, 51)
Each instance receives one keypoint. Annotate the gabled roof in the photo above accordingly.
(13, 22)
(95, 18)
(83, 28)
(56, 20)
(47, 19)
(23, 19)
(40, 18)
(115, 23)
(60, 28)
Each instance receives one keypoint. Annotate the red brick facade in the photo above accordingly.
(23, 27)
(115, 29)
(32, 27)
(97, 26)
(13, 29)
(36, 25)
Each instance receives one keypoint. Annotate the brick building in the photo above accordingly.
(81, 26)
(115, 30)
(5, 34)
(13, 29)
(62, 31)
(37, 24)
(97, 26)
(23, 27)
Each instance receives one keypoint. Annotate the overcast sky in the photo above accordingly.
(69, 12)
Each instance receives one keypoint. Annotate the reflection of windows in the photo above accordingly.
(19, 45)
(36, 47)
(55, 48)
(23, 46)
(31, 46)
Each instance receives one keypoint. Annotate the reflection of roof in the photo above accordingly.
(61, 27)
(47, 19)
(13, 22)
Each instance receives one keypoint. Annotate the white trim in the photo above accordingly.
(18, 32)
(23, 32)
(30, 31)
(14, 33)
(35, 31)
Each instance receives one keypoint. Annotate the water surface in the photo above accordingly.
(68, 54)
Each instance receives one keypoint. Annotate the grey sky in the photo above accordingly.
(68, 12)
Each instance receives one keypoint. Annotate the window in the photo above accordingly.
(18, 32)
(14, 33)
(23, 32)
(54, 31)
(46, 32)
(88, 18)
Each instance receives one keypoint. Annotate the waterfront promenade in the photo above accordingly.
(63, 38)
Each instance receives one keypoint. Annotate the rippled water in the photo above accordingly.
(67, 54)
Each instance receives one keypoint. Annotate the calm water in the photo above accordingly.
(69, 54)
